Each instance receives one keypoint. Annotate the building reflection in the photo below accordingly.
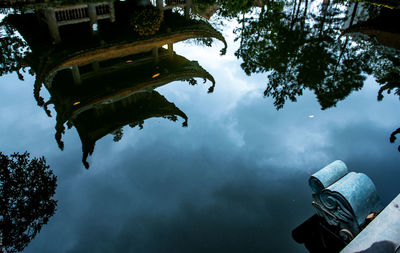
(82, 13)
(105, 78)
(381, 27)
(109, 96)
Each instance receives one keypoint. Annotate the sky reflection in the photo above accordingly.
(227, 178)
(234, 180)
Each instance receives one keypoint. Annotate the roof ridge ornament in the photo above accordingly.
(344, 199)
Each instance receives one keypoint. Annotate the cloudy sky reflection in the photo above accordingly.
(234, 180)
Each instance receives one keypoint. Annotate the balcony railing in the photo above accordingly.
(80, 13)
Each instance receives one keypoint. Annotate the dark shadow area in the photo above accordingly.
(380, 247)
(318, 236)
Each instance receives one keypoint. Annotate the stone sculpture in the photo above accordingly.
(344, 199)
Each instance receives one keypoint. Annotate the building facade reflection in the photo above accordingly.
(108, 75)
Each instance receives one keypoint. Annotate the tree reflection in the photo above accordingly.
(27, 187)
(117, 134)
(300, 50)
(393, 136)
(385, 66)
(13, 49)
(299, 54)
(233, 8)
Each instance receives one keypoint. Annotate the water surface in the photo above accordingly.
(178, 165)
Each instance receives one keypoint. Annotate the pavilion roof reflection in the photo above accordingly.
(105, 78)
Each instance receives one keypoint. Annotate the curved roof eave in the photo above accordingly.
(150, 84)
(123, 49)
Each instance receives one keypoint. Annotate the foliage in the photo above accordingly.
(233, 8)
(283, 43)
(118, 134)
(384, 64)
(146, 21)
(203, 7)
(27, 186)
(300, 51)
(13, 49)
(393, 137)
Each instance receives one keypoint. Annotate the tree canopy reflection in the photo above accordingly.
(26, 196)
(299, 49)
(297, 54)
(13, 49)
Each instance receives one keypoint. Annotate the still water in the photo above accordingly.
(200, 124)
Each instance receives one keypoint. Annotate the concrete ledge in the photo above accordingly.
(382, 234)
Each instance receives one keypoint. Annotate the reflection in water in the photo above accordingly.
(109, 87)
(381, 25)
(101, 63)
(300, 50)
(12, 50)
(111, 70)
(318, 236)
(323, 47)
(27, 188)
(393, 137)
(99, 121)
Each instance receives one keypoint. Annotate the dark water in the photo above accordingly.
(178, 165)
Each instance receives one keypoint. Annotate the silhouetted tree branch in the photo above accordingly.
(27, 187)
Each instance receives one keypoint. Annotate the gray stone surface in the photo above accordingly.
(384, 230)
